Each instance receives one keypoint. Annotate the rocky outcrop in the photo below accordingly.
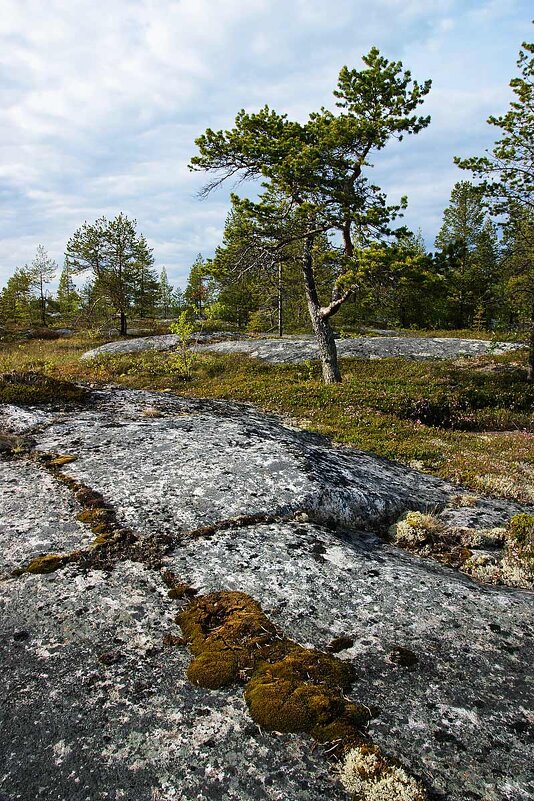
(157, 342)
(95, 697)
(295, 349)
(379, 347)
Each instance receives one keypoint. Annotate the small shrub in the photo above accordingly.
(184, 358)
(518, 561)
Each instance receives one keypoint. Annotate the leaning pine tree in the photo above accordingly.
(318, 167)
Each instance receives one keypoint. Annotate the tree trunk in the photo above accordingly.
(280, 309)
(43, 304)
(321, 325)
(123, 324)
(530, 366)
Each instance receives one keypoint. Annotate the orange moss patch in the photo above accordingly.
(288, 688)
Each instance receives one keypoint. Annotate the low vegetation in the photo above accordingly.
(469, 421)
(503, 555)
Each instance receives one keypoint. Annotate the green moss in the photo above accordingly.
(288, 688)
(28, 388)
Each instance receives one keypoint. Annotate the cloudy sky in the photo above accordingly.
(101, 102)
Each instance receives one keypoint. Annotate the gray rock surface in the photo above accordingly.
(158, 342)
(294, 349)
(287, 351)
(95, 706)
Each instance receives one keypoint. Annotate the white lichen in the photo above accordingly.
(367, 775)
(416, 528)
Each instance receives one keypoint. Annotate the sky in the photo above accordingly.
(101, 102)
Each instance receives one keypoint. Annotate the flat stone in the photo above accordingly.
(129, 726)
(286, 351)
(160, 342)
(94, 706)
(37, 516)
(470, 682)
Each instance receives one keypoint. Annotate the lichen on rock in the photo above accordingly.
(366, 774)
(499, 555)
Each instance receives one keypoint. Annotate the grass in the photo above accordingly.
(469, 420)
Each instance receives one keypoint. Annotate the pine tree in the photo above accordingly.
(164, 300)
(507, 179)
(16, 298)
(43, 270)
(457, 239)
(145, 280)
(109, 249)
(319, 167)
(68, 299)
(199, 291)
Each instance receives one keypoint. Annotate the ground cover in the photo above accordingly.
(467, 420)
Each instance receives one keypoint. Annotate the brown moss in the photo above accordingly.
(48, 563)
(60, 460)
(182, 590)
(288, 688)
(225, 630)
(95, 516)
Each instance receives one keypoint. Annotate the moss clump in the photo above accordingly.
(225, 630)
(48, 563)
(288, 688)
(35, 388)
(518, 560)
(95, 516)
(303, 692)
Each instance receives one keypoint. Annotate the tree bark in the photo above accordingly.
(530, 366)
(280, 308)
(43, 303)
(124, 327)
(321, 325)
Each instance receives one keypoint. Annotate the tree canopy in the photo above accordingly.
(314, 172)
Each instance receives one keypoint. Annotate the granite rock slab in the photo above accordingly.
(380, 347)
(95, 705)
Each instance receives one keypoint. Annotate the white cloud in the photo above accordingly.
(101, 102)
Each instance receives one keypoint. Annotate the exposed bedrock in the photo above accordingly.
(285, 351)
(95, 703)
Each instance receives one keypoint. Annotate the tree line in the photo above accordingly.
(122, 281)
